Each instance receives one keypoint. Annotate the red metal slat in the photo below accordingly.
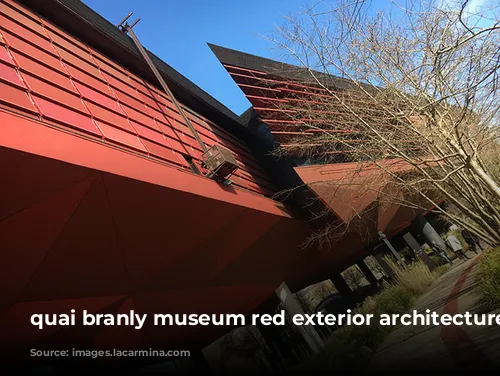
(56, 94)
(16, 97)
(35, 38)
(249, 185)
(273, 109)
(39, 70)
(163, 100)
(245, 175)
(218, 135)
(244, 69)
(111, 70)
(109, 117)
(5, 57)
(265, 99)
(150, 100)
(171, 132)
(77, 62)
(258, 88)
(128, 100)
(296, 133)
(61, 41)
(121, 137)
(224, 136)
(158, 115)
(56, 33)
(107, 64)
(9, 75)
(202, 126)
(21, 18)
(91, 81)
(139, 85)
(187, 139)
(66, 116)
(120, 85)
(19, 8)
(148, 133)
(99, 98)
(163, 153)
(183, 148)
(32, 51)
(275, 81)
(139, 117)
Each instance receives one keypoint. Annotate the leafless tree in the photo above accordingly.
(353, 277)
(408, 97)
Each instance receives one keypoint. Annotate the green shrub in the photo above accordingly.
(415, 277)
(488, 277)
(396, 299)
(440, 270)
(438, 260)
(350, 347)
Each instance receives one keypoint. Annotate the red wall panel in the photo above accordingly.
(4, 56)
(16, 98)
(77, 86)
(121, 137)
(54, 111)
(9, 75)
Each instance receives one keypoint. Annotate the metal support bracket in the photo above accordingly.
(126, 28)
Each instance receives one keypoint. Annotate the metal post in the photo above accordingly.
(391, 248)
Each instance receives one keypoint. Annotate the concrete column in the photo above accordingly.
(291, 305)
(199, 360)
(421, 225)
(383, 237)
(342, 286)
(387, 269)
(412, 242)
(367, 272)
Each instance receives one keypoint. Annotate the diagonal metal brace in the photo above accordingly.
(125, 27)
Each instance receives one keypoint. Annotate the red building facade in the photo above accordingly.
(101, 208)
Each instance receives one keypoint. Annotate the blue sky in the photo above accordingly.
(177, 31)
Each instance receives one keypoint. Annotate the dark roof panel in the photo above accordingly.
(244, 60)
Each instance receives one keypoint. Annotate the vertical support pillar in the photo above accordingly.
(421, 225)
(379, 256)
(391, 248)
(367, 273)
(269, 336)
(310, 335)
(412, 242)
(341, 285)
(199, 360)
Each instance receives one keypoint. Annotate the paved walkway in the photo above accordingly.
(444, 347)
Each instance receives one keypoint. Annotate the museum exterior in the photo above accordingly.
(119, 195)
